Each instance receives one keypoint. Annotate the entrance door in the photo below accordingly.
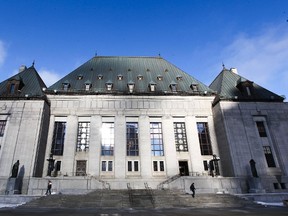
(81, 168)
(183, 168)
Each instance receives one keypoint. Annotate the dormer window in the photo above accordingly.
(87, 85)
(179, 77)
(120, 77)
(131, 86)
(66, 85)
(159, 77)
(12, 88)
(80, 77)
(245, 86)
(140, 77)
(100, 77)
(248, 90)
(109, 85)
(173, 87)
(152, 86)
(194, 87)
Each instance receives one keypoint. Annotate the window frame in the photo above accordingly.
(206, 148)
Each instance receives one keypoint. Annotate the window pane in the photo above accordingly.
(58, 138)
(129, 166)
(132, 139)
(107, 141)
(156, 139)
(161, 165)
(269, 156)
(155, 166)
(180, 136)
(2, 127)
(103, 165)
(110, 165)
(204, 138)
(83, 136)
(136, 167)
(261, 128)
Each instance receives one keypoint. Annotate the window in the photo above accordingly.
(2, 127)
(120, 77)
(180, 136)
(204, 138)
(173, 87)
(205, 164)
(109, 86)
(132, 139)
(58, 138)
(194, 87)
(83, 136)
(107, 141)
(133, 166)
(131, 86)
(156, 139)
(158, 166)
(152, 86)
(269, 156)
(261, 128)
(87, 86)
(81, 168)
(107, 166)
(12, 88)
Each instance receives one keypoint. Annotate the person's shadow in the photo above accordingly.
(19, 180)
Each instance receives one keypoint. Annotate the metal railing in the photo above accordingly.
(150, 193)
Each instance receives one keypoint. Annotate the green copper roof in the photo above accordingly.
(25, 84)
(231, 86)
(121, 72)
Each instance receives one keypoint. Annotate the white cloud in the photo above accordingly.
(2, 52)
(49, 76)
(262, 58)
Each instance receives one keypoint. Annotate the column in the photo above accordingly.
(169, 146)
(144, 147)
(70, 146)
(94, 162)
(120, 147)
(193, 144)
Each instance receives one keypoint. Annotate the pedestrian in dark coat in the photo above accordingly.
(49, 186)
(192, 188)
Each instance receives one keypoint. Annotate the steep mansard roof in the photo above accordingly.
(114, 75)
(231, 86)
(26, 84)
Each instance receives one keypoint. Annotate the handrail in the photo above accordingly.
(150, 193)
(172, 178)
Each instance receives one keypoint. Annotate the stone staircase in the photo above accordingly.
(137, 199)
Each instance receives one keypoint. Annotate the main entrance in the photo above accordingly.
(183, 168)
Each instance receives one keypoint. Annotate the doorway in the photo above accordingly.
(183, 168)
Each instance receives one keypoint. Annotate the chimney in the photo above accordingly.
(22, 68)
(234, 70)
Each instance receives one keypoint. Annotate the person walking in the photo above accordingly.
(49, 186)
(192, 188)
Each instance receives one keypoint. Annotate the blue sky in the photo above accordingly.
(195, 35)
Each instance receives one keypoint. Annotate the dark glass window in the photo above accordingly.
(204, 138)
(58, 138)
(2, 127)
(132, 139)
(156, 139)
(269, 156)
(158, 166)
(83, 136)
(180, 136)
(261, 128)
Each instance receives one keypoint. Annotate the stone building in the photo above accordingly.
(118, 122)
